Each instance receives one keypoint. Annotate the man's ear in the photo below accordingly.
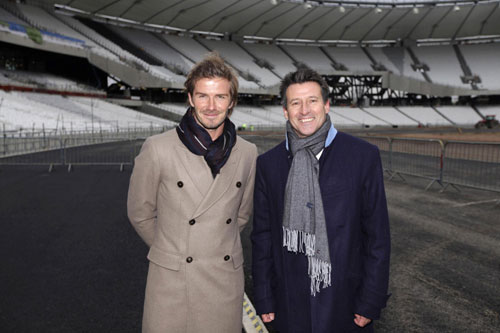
(327, 106)
(285, 113)
(190, 100)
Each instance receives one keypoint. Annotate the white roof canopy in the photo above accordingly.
(347, 20)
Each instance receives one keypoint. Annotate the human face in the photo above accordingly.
(211, 101)
(305, 108)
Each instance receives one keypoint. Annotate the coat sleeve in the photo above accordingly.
(247, 201)
(372, 296)
(262, 258)
(142, 193)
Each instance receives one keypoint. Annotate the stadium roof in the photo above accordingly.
(308, 21)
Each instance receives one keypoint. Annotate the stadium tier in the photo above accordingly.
(273, 55)
(36, 111)
(391, 115)
(242, 61)
(262, 65)
(442, 62)
(353, 58)
(46, 81)
(5, 16)
(460, 115)
(312, 56)
(484, 60)
(490, 110)
(156, 48)
(425, 116)
(124, 50)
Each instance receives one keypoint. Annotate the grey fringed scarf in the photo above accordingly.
(304, 225)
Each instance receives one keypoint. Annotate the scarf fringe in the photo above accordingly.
(319, 270)
(296, 240)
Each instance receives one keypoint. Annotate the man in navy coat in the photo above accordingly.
(321, 241)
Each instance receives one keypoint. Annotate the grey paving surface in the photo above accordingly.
(445, 264)
(71, 262)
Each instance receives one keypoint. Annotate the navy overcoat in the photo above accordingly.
(352, 189)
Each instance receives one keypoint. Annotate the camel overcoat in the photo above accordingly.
(192, 224)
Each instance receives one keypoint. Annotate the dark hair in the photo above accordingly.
(302, 75)
(213, 66)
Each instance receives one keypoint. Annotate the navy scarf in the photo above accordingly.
(199, 142)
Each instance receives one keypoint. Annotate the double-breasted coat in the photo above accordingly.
(192, 224)
(352, 190)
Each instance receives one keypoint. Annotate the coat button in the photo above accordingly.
(226, 258)
(228, 221)
(191, 222)
(180, 184)
(189, 259)
(238, 184)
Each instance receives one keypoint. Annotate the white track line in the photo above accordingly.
(476, 203)
(251, 322)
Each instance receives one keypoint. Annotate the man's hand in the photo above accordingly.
(360, 320)
(267, 317)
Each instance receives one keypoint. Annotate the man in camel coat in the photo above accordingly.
(190, 196)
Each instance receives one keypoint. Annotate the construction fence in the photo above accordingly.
(471, 164)
(116, 147)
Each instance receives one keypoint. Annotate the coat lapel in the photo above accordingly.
(197, 169)
(221, 183)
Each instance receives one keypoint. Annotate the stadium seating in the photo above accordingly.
(391, 116)
(154, 46)
(241, 60)
(42, 80)
(487, 110)
(358, 116)
(32, 110)
(261, 67)
(281, 63)
(484, 60)
(39, 18)
(425, 115)
(21, 112)
(258, 116)
(196, 51)
(353, 58)
(118, 54)
(5, 16)
(116, 115)
(311, 56)
(396, 60)
(443, 64)
(460, 115)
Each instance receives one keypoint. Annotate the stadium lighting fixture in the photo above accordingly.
(456, 8)
(342, 9)
(378, 10)
(307, 5)
(416, 10)
(274, 2)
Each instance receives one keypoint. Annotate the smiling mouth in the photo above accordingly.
(306, 120)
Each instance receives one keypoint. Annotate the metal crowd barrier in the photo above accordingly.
(472, 164)
(77, 148)
(447, 163)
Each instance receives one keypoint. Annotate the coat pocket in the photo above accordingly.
(238, 260)
(164, 259)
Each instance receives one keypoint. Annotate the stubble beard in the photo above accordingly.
(205, 126)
